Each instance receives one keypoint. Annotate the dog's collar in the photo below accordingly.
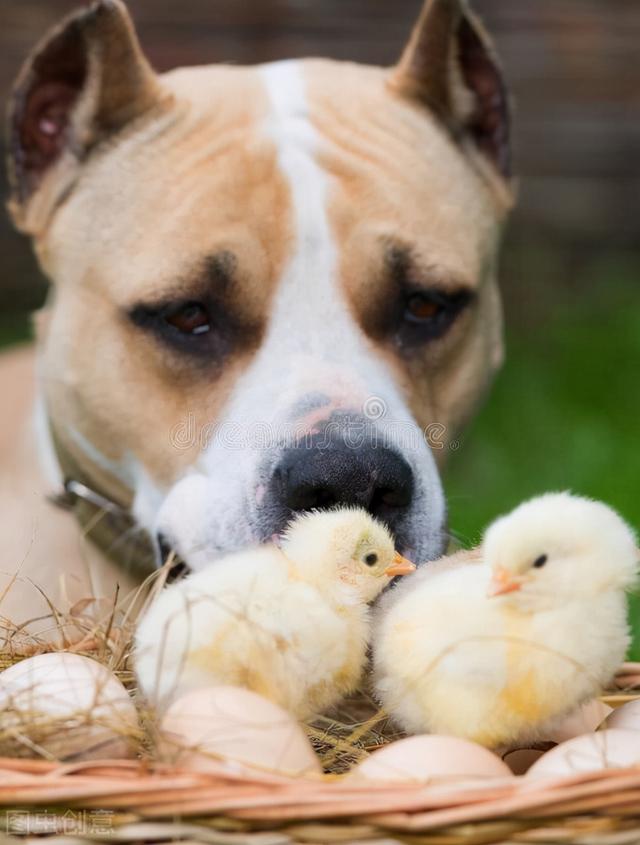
(109, 526)
(105, 522)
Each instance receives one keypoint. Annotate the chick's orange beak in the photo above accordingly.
(400, 566)
(503, 582)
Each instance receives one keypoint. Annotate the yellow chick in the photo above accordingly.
(497, 650)
(290, 622)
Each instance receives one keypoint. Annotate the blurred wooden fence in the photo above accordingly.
(574, 67)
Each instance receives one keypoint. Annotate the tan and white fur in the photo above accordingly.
(303, 201)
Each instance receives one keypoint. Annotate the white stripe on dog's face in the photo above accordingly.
(312, 347)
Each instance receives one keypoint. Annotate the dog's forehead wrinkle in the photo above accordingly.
(408, 267)
(214, 272)
(218, 267)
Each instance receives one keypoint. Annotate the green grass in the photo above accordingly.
(564, 414)
(14, 328)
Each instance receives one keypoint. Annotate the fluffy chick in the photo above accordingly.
(290, 622)
(497, 650)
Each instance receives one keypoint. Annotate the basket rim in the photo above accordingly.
(158, 791)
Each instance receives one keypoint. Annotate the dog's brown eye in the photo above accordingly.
(421, 308)
(192, 318)
(428, 315)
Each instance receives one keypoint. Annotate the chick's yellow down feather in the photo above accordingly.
(291, 623)
(497, 649)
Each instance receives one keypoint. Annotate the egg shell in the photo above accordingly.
(626, 717)
(423, 758)
(233, 724)
(68, 705)
(609, 749)
(520, 760)
(582, 721)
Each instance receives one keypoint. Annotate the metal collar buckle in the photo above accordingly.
(120, 519)
(74, 490)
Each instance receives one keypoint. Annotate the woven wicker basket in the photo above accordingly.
(138, 802)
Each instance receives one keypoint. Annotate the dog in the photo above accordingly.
(267, 283)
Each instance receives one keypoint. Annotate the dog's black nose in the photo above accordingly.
(331, 471)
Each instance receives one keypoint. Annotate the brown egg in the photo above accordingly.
(423, 758)
(234, 725)
(610, 749)
(582, 721)
(67, 705)
(626, 717)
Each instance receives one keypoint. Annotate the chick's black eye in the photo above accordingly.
(539, 562)
(192, 318)
(371, 559)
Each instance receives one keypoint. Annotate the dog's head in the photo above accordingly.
(274, 287)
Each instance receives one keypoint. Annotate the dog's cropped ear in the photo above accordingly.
(450, 65)
(84, 82)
